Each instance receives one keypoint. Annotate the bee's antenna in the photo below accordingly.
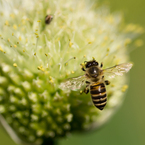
(66, 63)
(101, 64)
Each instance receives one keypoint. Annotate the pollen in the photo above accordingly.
(66, 64)
(108, 49)
(6, 23)
(23, 22)
(139, 43)
(130, 27)
(27, 19)
(39, 21)
(35, 53)
(20, 38)
(140, 29)
(46, 72)
(23, 28)
(82, 64)
(124, 88)
(50, 77)
(1, 49)
(1, 13)
(70, 44)
(127, 41)
(72, 72)
(39, 68)
(51, 81)
(42, 69)
(15, 65)
(106, 38)
(15, 46)
(12, 15)
(100, 31)
(8, 40)
(26, 40)
(15, 27)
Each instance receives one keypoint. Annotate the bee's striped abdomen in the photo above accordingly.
(98, 94)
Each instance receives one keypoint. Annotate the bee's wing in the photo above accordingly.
(117, 70)
(73, 83)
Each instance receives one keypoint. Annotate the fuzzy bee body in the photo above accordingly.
(96, 83)
(94, 79)
(98, 95)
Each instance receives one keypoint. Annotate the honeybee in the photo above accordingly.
(95, 80)
(48, 19)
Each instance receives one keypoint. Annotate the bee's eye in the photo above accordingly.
(95, 63)
(88, 65)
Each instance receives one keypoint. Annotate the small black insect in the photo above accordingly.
(48, 19)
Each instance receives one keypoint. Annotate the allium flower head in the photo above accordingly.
(35, 58)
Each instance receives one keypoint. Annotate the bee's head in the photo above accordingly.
(89, 64)
(92, 68)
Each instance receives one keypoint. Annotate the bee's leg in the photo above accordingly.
(101, 64)
(83, 69)
(107, 82)
(87, 82)
(86, 90)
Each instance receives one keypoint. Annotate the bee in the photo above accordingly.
(95, 81)
(48, 19)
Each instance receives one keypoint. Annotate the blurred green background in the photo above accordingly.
(127, 127)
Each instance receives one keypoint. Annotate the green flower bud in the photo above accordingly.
(36, 57)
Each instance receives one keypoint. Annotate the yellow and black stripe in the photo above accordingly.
(98, 94)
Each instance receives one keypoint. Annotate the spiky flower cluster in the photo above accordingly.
(35, 58)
